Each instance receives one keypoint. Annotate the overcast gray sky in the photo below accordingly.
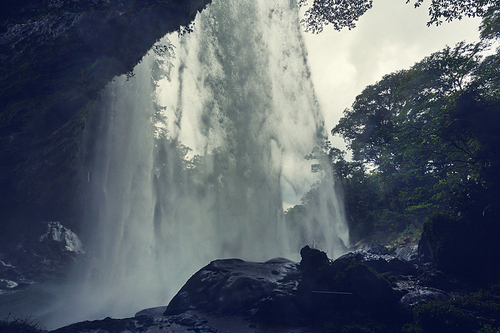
(390, 36)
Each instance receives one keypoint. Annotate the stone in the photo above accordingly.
(187, 318)
(152, 312)
(407, 253)
(234, 286)
(375, 258)
(423, 295)
(375, 248)
(41, 258)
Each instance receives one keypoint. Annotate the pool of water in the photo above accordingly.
(31, 302)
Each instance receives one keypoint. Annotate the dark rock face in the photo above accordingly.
(341, 288)
(464, 248)
(55, 57)
(233, 286)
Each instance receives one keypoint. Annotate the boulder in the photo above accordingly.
(408, 253)
(345, 289)
(68, 239)
(423, 295)
(152, 312)
(40, 258)
(234, 286)
(375, 248)
(379, 259)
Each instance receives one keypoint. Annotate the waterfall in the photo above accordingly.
(195, 154)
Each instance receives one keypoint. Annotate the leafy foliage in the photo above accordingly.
(344, 13)
(423, 140)
(339, 13)
(449, 10)
(490, 26)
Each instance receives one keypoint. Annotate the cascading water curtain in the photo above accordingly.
(195, 155)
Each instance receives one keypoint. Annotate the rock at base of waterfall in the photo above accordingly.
(234, 286)
(39, 258)
(408, 253)
(281, 292)
(152, 312)
(381, 261)
(68, 239)
(232, 295)
(423, 295)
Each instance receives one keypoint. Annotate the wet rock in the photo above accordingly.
(152, 312)
(342, 288)
(7, 284)
(408, 253)
(58, 233)
(375, 248)
(432, 277)
(423, 295)
(41, 258)
(204, 329)
(187, 318)
(234, 286)
(378, 259)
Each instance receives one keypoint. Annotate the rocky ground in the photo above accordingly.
(188, 322)
(368, 289)
(38, 259)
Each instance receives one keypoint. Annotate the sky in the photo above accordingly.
(389, 37)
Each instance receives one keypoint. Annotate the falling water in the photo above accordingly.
(195, 155)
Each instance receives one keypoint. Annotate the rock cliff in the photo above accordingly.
(55, 57)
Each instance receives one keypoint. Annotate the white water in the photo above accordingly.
(239, 95)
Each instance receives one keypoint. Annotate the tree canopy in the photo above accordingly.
(423, 140)
(345, 13)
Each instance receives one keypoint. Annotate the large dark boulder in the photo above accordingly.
(234, 286)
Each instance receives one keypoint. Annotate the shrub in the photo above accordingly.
(18, 325)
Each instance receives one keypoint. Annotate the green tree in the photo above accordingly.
(429, 136)
(344, 13)
(339, 13)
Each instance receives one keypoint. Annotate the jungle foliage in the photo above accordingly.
(423, 140)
